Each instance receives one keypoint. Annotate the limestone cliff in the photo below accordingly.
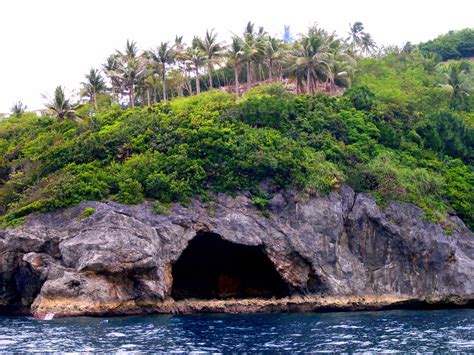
(340, 251)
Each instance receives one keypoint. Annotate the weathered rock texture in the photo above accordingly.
(340, 251)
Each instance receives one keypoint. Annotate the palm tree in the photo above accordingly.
(253, 48)
(197, 59)
(312, 55)
(111, 71)
(164, 55)
(458, 79)
(130, 70)
(340, 65)
(213, 50)
(93, 86)
(182, 61)
(367, 44)
(60, 106)
(272, 53)
(340, 70)
(131, 50)
(235, 57)
(152, 84)
(18, 109)
(356, 32)
(131, 73)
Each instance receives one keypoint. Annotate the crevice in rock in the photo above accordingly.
(213, 268)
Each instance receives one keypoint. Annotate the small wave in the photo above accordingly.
(345, 326)
(116, 334)
(7, 342)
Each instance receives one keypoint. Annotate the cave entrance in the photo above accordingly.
(213, 268)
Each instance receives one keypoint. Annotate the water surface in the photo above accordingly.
(421, 331)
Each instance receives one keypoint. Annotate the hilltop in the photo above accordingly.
(402, 130)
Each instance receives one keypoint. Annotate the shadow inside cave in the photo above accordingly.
(213, 268)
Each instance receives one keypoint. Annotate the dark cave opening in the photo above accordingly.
(213, 268)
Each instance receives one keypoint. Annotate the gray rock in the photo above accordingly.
(120, 259)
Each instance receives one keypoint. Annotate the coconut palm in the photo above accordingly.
(367, 44)
(164, 55)
(253, 48)
(340, 70)
(18, 109)
(153, 84)
(93, 86)
(111, 71)
(235, 57)
(131, 50)
(311, 54)
(60, 106)
(132, 70)
(272, 54)
(197, 60)
(213, 50)
(458, 79)
(356, 32)
(181, 51)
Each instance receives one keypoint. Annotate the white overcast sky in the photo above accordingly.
(45, 43)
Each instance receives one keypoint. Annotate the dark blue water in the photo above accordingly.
(413, 331)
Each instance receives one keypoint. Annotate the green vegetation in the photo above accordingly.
(403, 131)
(453, 45)
(88, 211)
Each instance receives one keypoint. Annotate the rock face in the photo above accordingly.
(339, 251)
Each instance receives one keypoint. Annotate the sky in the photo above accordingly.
(46, 43)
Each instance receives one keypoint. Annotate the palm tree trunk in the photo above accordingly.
(95, 100)
(249, 78)
(130, 97)
(236, 78)
(218, 79)
(308, 80)
(163, 82)
(148, 97)
(209, 72)
(198, 84)
(270, 74)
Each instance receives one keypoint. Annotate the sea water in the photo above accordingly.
(406, 331)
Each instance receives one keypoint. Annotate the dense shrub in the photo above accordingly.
(377, 138)
(453, 45)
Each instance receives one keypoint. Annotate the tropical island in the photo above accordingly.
(328, 124)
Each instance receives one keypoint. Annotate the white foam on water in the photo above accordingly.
(48, 316)
(128, 346)
(116, 334)
(7, 342)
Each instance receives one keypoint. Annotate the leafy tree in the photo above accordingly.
(452, 45)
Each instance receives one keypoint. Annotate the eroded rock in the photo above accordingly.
(341, 247)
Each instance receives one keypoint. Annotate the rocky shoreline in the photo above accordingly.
(311, 303)
(338, 252)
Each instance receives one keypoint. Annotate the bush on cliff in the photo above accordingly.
(395, 140)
